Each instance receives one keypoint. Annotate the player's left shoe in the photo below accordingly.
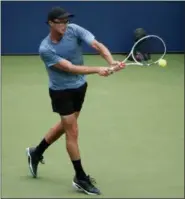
(33, 160)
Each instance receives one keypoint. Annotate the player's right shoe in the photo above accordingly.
(86, 185)
(33, 160)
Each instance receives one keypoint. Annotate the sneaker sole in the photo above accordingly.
(79, 188)
(30, 167)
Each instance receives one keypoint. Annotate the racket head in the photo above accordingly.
(148, 50)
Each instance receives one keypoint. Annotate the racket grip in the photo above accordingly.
(111, 70)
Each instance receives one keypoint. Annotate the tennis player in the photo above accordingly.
(61, 52)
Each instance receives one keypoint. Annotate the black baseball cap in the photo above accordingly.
(58, 13)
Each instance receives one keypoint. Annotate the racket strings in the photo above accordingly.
(148, 50)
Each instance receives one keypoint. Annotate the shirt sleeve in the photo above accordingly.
(49, 57)
(83, 34)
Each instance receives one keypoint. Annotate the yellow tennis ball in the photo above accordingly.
(162, 62)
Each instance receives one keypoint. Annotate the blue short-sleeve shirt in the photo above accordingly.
(69, 48)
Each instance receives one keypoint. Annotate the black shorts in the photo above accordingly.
(66, 102)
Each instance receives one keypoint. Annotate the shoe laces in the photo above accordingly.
(91, 180)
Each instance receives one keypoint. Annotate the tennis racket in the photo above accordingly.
(146, 51)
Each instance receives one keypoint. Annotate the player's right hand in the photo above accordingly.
(104, 71)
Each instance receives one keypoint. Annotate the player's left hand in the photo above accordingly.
(117, 65)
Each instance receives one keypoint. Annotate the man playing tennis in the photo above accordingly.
(61, 52)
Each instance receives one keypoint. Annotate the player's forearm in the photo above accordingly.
(77, 69)
(82, 69)
(105, 53)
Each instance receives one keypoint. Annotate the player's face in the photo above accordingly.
(60, 25)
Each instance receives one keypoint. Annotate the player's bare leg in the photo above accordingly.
(57, 131)
(35, 154)
(71, 129)
(81, 181)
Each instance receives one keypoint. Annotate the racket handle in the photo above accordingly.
(111, 70)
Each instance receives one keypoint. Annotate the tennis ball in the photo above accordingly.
(162, 62)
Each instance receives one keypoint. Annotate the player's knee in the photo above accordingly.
(72, 132)
(72, 135)
(71, 127)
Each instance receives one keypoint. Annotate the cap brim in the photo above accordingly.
(66, 15)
